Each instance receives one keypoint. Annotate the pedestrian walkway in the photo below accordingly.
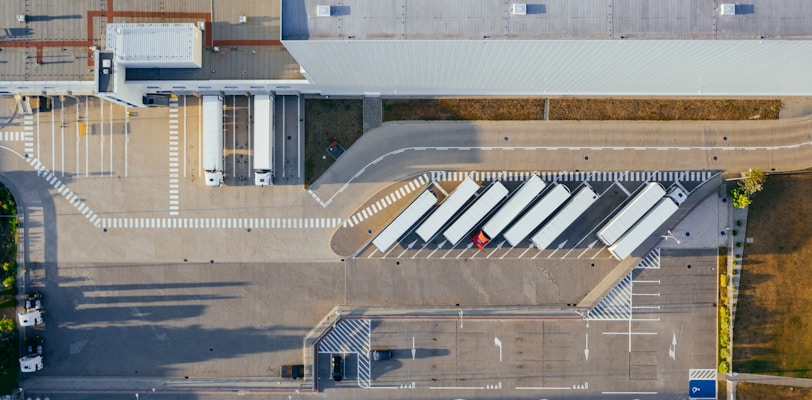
(737, 224)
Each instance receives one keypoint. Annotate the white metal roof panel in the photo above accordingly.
(643, 229)
(479, 210)
(556, 226)
(514, 206)
(404, 221)
(156, 45)
(537, 214)
(445, 212)
(558, 67)
(631, 213)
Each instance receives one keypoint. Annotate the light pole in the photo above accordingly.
(669, 235)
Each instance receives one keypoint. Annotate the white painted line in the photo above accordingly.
(629, 393)
(542, 388)
(629, 333)
(456, 387)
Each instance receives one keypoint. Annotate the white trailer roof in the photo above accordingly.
(31, 318)
(31, 363)
(537, 214)
(556, 226)
(404, 221)
(156, 45)
(643, 229)
(631, 213)
(263, 128)
(514, 206)
(212, 133)
(446, 211)
(481, 207)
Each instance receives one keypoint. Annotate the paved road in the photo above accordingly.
(401, 149)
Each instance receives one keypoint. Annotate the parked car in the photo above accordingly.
(293, 371)
(380, 355)
(338, 367)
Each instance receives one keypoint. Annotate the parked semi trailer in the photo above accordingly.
(478, 211)
(648, 225)
(517, 202)
(213, 140)
(542, 210)
(263, 140)
(405, 220)
(577, 205)
(446, 211)
(631, 213)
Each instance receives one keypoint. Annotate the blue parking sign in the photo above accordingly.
(702, 389)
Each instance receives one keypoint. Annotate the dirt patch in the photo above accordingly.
(771, 330)
(463, 109)
(325, 121)
(580, 109)
(757, 391)
(663, 110)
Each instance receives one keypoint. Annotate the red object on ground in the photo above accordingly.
(480, 240)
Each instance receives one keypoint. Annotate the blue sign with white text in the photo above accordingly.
(702, 389)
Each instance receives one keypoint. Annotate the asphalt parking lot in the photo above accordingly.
(152, 277)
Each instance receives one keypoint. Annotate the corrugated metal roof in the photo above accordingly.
(156, 45)
(550, 19)
(558, 67)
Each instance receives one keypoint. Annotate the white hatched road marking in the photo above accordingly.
(174, 203)
(651, 260)
(616, 306)
(702, 374)
(351, 336)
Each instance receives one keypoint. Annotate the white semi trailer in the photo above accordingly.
(647, 226)
(576, 206)
(263, 140)
(213, 140)
(631, 213)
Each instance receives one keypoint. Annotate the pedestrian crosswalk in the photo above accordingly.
(384, 202)
(12, 136)
(174, 165)
(60, 187)
(351, 336)
(28, 134)
(577, 176)
(617, 305)
(219, 223)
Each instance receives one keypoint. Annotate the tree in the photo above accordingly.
(740, 198)
(753, 182)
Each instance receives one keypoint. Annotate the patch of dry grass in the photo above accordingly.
(524, 109)
(663, 109)
(463, 109)
(757, 391)
(325, 121)
(771, 331)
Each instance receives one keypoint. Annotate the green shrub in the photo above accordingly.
(723, 368)
(738, 244)
(6, 325)
(723, 280)
(9, 281)
(735, 232)
(739, 223)
(740, 198)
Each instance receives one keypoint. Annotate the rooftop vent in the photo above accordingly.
(21, 19)
(728, 9)
(322, 11)
(243, 19)
(520, 9)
